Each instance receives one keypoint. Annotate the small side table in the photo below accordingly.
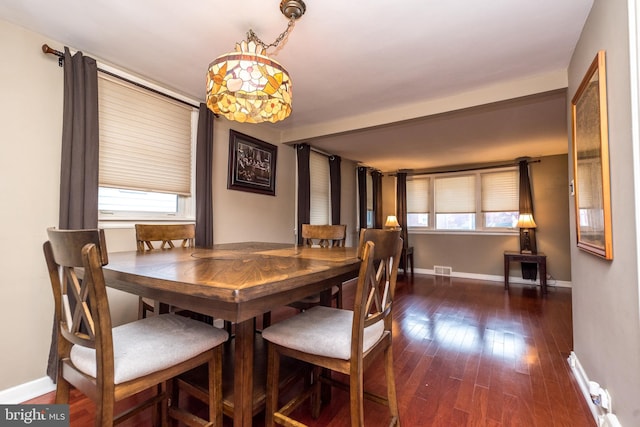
(406, 259)
(538, 258)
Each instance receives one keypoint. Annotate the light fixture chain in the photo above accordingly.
(251, 36)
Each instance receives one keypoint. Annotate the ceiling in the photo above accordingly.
(357, 65)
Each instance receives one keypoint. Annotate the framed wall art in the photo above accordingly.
(592, 192)
(252, 164)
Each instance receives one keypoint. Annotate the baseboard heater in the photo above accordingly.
(441, 270)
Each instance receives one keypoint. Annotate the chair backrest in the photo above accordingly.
(146, 234)
(81, 305)
(380, 253)
(324, 235)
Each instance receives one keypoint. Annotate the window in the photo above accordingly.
(455, 202)
(147, 148)
(418, 201)
(320, 189)
(369, 200)
(500, 199)
(467, 201)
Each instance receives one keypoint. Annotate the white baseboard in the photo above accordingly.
(494, 278)
(26, 391)
(602, 418)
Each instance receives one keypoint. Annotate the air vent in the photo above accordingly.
(440, 270)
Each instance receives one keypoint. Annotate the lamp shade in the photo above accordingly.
(247, 86)
(392, 222)
(525, 220)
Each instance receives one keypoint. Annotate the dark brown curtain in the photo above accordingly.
(401, 205)
(362, 197)
(79, 165)
(304, 187)
(376, 180)
(529, 270)
(336, 187)
(79, 158)
(204, 178)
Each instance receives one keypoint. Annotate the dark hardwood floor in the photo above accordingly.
(467, 353)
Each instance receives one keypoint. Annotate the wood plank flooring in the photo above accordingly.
(467, 353)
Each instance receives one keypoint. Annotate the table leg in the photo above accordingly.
(506, 273)
(243, 375)
(543, 275)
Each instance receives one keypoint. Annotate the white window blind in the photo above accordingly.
(455, 194)
(500, 191)
(590, 194)
(320, 189)
(145, 139)
(418, 195)
(369, 192)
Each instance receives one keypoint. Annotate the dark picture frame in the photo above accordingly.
(591, 180)
(252, 164)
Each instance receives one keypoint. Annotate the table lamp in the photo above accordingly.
(525, 222)
(392, 223)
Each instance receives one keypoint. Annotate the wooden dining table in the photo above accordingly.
(235, 282)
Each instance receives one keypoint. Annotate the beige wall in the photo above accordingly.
(606, 314)
(482, 255)
(31, 111)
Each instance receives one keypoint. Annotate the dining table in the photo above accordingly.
(235, 282)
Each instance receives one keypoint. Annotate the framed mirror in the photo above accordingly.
(592, 194)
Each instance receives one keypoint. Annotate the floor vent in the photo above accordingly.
(440, 270)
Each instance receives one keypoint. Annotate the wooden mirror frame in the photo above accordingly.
(591, 180)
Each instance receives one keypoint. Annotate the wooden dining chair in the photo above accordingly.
(322, 236)
(163, 236)
(340, 340)
(109, 364)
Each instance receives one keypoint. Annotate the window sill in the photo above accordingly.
(130, 223)
(465, 232)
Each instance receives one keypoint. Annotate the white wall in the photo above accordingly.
(606, 314)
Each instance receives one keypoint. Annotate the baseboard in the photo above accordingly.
(27, 391)
(602, 418)
(494, 278)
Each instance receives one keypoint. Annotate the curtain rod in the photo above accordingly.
(60, 55)
(469, 169)
(316, 150)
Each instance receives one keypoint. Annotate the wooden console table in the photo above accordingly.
(538, 258)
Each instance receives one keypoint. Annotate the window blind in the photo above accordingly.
(145, 139)
(418, 195)
(455, 194)
(320, 189)
(590, 195)
(500, 191)
(369, 192)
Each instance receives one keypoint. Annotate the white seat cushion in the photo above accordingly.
(324, 331)
(150, 345)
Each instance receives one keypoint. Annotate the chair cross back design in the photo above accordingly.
(110, 364)
(166, 234)
(77, 327)
(324, 235)
(339, 340)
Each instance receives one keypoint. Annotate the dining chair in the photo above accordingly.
(107, 363)
(341, 340)
(322, 236)
(164, 236)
